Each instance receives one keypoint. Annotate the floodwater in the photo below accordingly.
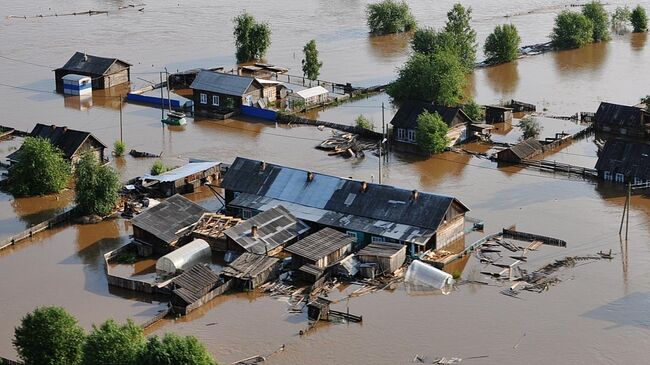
(598, 314)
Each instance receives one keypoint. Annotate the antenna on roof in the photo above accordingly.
(85, 56)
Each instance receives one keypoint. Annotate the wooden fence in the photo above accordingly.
(151, 321)
(544, 165)
(509, 233)
(31, 231)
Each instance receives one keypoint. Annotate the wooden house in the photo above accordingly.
(161, 227)
(195, 287)
(104, 72)
(388, 257)
(313, 96)
(321, 249)
(521, 151)
(624, 162)
(221, 93)
(622, 119)
(71, 142)
(497, 114)
(183, 180)
(251, 270)
(405, 123)
(366, 212)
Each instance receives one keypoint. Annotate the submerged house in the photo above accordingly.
(71, 142)
(523, 150)
(251, 270)
(405, 123)
(183, 180)
(195, 287)
(314, 253)
(366, 212)
(622, 119)
(497, 114)
(624, 162)
(387, 257)
(104, 72)
(160, 228)
(222, 93)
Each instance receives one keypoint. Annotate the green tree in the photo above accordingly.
(252, 39)
(474, 111)
(97, 187)
(621, 19)
(530, 127)
(438, 77)
(49, 336)
(310, 64)
(639, 20)
(119, 148)
(502, 45)
(40, 169)
(158, 168)
(365, 123)
(428, 41)
(431, 133)
(175, 350)
(646, 101)
(390, 16)
(458, 25)
(572, 30)
(595, 11)
(111, 343)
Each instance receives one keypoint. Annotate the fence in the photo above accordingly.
(509, 233)
(292, 119)
(128, 283)
(151, 321)
(31, 231)
(265, 114)
(153, 101)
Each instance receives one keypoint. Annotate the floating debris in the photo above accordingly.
(345, 144)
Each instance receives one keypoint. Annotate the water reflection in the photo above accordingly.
(588, 58)
(503, 78)
(390, 45)
(638, 40)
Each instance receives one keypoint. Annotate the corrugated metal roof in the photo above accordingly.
(385, 249)
(81, 62)
(67, 140)
(320, 244)
(311, 92)
(182, 172)
(407, 115)
(222, 83)
(631, 159)
(620, 115)
(275, 227)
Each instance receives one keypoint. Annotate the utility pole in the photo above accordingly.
(121, 136)
(162, 99)
(381, 142)
(629, 202)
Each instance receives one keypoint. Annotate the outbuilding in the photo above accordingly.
(184, 257)
(74, 84)
(320, 249)
(388, 257)
(497, 114)
(312, 96)
(523, 150)
(183, 180)
(104, 72)
(251, 270)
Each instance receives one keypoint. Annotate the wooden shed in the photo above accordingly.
(251, 270)
(497, 114)
(521, 151)
(387, 256)
(195, 287)
(183, 180)
(320, 249)
(104, 72)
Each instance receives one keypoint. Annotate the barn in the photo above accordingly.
(104, 72)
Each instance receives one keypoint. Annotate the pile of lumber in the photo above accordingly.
(346, 145)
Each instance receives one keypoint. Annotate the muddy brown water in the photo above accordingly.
(598, 314)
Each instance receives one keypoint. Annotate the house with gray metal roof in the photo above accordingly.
(183, 180)
(624, 161)
(218, 93)
(104, 72)
(367, 212)
(622, 119)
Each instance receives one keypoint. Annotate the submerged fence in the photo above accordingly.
(31, 231)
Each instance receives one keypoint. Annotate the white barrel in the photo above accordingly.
(420, 273)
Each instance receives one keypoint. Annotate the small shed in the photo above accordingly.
(104, 72)
(211, 228)
(387, 256)
(251, 270)
(521, 151)
(184, 257)
(183, 180)
(312, 96)
(318, 310)
(497, 114)
(311, 273)
(74, 84)
(195, 287)
(320, 249)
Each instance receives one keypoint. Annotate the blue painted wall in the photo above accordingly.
(152, 100)
(258, 112)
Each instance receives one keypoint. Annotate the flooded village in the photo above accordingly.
(279, 229)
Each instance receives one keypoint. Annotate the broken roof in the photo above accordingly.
(222, 83)
(275, 227)
(168, 220)
(620, 115)
(248, 266)
(182, 172)
(81, 62)
(407, 115)
(632, 159)
(320, 244)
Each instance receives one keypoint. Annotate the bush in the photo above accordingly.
(530, 127)
(40, 169)
(646, 102)
(438, 78)
(431, 133)
(252, 39)
(310, 64)
(474, 111)
(428, 41)
(158, 168)
(175, 350)
(572, 30)
(49, 336)
(119, 148)
(639, 19)
(111, 343)
(97, 187)
(502, 45)
(621, 19)
(595, 12)
(458, 26)
(365, 123)
(390, 16)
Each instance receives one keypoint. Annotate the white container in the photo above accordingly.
(421, 274)
(77, 85)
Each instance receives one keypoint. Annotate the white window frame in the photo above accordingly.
(215, 100)
(204, 98)
(411, 135)
(378, 239)
(607, 176)
(401, 134)
(353, 235)
(620, 177)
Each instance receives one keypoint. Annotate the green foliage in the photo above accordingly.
(49, 336)
(502, 45)
(438, 77)
(158, 168)
(431, 133)
(97, 187)
(572, 30)
(646, 102)
(40, 169)
(639, 19)
(252, 39)
(310, 64)
(365, 123)
(175, 350)
(111, 343)
(390, 16)
(428, 41)
(119, 148)
(458, 26)
(474, 111)
(621, 18)
(530, 127)
(595, 11)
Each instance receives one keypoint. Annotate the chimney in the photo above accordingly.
(364, 186)
(310, 176)
(85, 57)
(262, 166)
(65, 129)
(254, 231)
(414, 195)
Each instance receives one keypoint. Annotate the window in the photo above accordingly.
(401, 134)
(352, 234)
(246, 213)
(637, 181)
(204, 98)
(607, 176)
(620, 177)
(215, 100)
(378, 239)
(411, 135)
